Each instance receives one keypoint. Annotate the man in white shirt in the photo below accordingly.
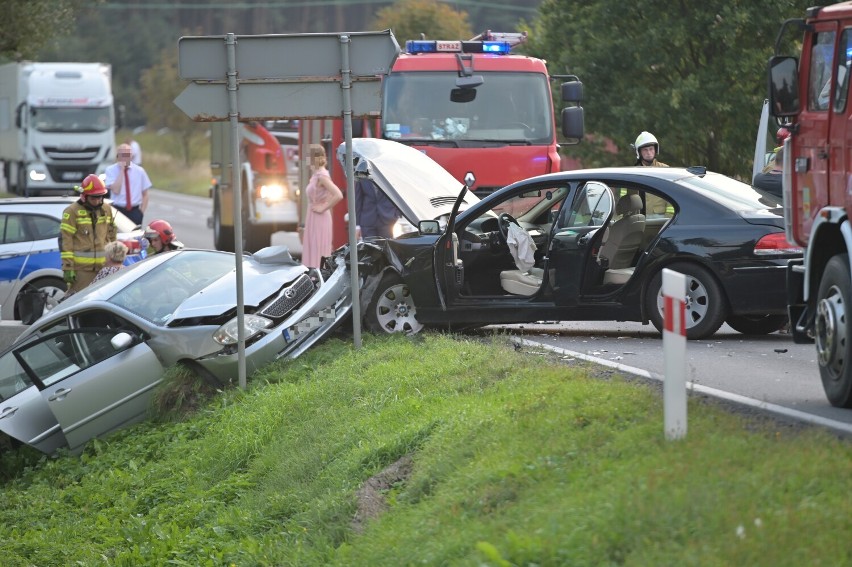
(128, 184)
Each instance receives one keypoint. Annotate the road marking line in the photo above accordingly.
(692, 387)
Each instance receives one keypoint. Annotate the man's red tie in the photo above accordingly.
(129, 204)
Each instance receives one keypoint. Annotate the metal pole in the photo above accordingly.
(233, 115)
(346, 85)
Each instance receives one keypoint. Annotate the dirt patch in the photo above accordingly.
(371, 495)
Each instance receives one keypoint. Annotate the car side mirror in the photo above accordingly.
(429, 227)
(121, 341)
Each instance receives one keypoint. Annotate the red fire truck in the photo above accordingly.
(270, 201)
(810, 97)
(485, 114)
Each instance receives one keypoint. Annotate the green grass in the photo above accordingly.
(162, 158)
(516, 460)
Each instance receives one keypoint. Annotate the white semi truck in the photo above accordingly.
(57, 124)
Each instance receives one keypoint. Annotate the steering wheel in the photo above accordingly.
(503, 222)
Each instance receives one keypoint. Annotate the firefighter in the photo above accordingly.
(161, 237)
(647, 149)
(88, 225)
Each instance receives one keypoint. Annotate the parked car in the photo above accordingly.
(90, 366)
(575, 245)
(29, 251)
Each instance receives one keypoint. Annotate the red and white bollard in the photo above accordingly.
(674, 353)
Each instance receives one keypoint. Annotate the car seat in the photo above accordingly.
(526, 280)
(623, 239)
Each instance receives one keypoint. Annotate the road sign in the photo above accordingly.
(208, 102)
(284, 76)
(276, 56)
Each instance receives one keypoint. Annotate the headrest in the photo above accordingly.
(629, 204)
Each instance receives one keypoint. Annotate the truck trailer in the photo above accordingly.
(57, 124)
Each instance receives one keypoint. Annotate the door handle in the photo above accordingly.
(8, 412)
(59, 394)
(822, 154)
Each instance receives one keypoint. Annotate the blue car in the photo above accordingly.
(29, 253)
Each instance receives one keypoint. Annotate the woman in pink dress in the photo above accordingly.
(323, 195)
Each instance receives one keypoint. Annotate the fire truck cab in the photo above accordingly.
(810, 97)
(484, 113)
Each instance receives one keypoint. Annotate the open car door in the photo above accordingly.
(92, 380)
(574, 236)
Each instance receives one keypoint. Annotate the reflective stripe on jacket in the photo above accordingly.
(83, 235)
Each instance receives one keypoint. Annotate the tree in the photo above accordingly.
(27, 26)
(410, 18)
(160, 85)
(692, 73)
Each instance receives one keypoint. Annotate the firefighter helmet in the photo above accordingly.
(93, 186)
(646, 139)
(162, 230)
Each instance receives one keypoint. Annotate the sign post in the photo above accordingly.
(244, 78)
(674, 354)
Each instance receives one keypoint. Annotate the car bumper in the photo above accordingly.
(310, 323)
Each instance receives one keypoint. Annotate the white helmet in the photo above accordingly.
(646, 139)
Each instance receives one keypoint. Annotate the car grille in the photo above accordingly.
(290, 297)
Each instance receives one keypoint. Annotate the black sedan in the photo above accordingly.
(577, 245)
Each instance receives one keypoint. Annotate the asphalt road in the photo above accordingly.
(769, 370)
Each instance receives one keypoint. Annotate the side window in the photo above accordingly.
(15, 231)
(822, 65)
(591, 207)
(13, 378)
(57, 356)
(3, 228)
(844, 63)
(42, 227)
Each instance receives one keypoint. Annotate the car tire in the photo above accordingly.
(223, 236)
(391, 309)
(706, 307)
(54, 290)
(833, 332)
(757, 324)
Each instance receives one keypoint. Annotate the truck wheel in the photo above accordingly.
(832, 332)
(392, 309)
(255, 236)
(223, 236)
(21, 187)
(706, 307)
(757, 324)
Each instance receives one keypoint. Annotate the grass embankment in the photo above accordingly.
(514, 460)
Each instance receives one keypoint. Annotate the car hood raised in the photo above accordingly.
(419, 187)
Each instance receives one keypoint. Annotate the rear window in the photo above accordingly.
(731, 193)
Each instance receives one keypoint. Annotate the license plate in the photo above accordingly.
(308, 324)
(71, 175)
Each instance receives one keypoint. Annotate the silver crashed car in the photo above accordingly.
(90, 366)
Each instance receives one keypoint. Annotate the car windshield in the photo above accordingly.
(156, 295)
(731, 193)
(72, 119)
(507, 107)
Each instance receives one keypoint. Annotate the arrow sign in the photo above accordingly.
(208, 102)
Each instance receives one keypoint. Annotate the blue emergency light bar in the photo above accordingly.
(441, 46)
